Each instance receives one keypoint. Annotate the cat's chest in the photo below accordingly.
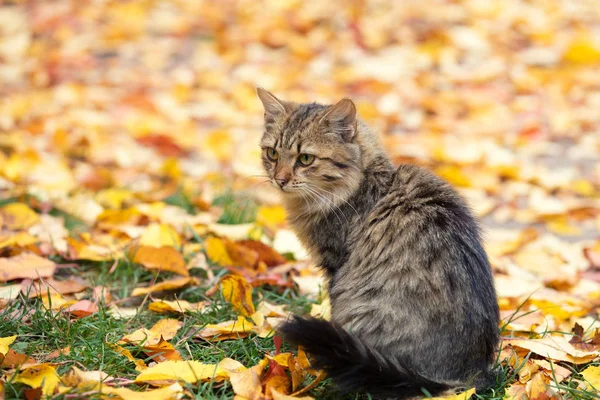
(328, 239)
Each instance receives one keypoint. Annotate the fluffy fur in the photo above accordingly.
(413, 301)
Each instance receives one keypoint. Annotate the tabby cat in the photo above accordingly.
(413, 304)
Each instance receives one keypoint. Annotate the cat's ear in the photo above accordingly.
(273, 106)
(341, 119)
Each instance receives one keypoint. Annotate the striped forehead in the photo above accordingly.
(299, 122)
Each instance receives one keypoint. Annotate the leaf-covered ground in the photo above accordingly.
(143, 255)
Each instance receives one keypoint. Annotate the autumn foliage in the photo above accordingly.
(131, 189)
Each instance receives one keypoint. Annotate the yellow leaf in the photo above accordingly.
(77, 378)
(282, 359)
(25, 265)
(18, 216)
(592, 376)
(187, 371)
(162, 351)
(140, 365)
(163, 329)
(114, 197)
(460, 396)
(280, 396)
(238, 292)
(174, 391)
(271, 216)
(19, 239)
(114, 218)
(220, 144)
(170, 284)
(583, 50)
(454, 175)
(5, 342)
(40, 375)
(217, 252)
(246, 384)
(158, 235)
(165, 258)
(227, 330)
(180, 306)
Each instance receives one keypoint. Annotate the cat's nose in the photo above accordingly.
(281, 181)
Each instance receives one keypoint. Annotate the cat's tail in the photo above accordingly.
(352, 365)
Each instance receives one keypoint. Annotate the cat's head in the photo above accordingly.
(310, 151)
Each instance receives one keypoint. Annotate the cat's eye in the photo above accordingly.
(272, 154)
(306, 159)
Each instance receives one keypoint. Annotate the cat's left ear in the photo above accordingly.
(341, 119)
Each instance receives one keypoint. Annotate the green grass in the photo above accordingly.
(41, 331)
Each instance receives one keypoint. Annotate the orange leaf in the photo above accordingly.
(83, 308)
(266, 254)
(162, 351)
(25, 265)
(165, 258)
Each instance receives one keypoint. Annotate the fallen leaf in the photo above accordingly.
(164, 329)
(5, 342)
(165, 258)
(217, 252)
(265, 253)
(13, 359)
(592, 377)
(162, 351)
(555, 348)
(50, 285)
(140, 365)
(187, 371)
(239, 328)
(39, 376)
(238, 293)
(81, 309)
(179, 306)
(25, 265)
(459, 396)
(280, 396)
(247, 384)
(158, 235)
(18, 216)
(170, 284)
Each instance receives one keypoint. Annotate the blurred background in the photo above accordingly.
(501, 98)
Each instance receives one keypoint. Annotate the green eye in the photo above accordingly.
(306, 159)
(272, 154)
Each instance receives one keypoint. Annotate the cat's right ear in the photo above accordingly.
(273, 106)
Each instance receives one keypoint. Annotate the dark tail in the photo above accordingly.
(352, 365)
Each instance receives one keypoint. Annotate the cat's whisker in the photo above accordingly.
(339, 197)
(328, 203)
(334, 207)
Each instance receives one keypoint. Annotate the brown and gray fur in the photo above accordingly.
(412, 295)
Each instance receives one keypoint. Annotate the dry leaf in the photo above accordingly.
(5, 342)
(165, 258)
(179, 306)
(164, 329)
(18, 216)
(238, 293)
(187, 371)
(39, 376)
(556, 348)
(25, 265)
(170, 284)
